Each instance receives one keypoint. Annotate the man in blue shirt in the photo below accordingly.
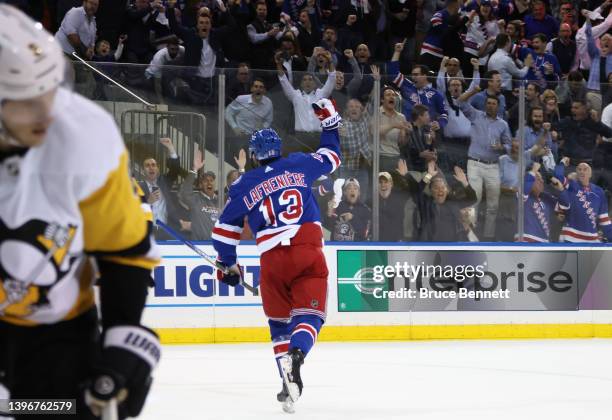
(490, 138)
(494, 88)
(537, 129)
(538, 22)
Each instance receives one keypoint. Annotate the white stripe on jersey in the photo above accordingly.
(331, 156)
(574, 235)
(271, 231)
(225, 239)
(231, 228)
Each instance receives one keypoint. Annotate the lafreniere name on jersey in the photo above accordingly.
(270, 185)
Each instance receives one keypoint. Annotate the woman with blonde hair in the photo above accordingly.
(550, 103)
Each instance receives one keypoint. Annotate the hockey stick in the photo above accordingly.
(147, 104)
(110, 410)
(202, 254)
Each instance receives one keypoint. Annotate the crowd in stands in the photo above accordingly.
(448, 117)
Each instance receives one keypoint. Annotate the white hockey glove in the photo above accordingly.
(129, 355)
(325, 110)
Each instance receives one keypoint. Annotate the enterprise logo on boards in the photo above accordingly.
(454, 280)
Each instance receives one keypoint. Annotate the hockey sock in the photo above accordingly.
(280, 332)
(305, 331)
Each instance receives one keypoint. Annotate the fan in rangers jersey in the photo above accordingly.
(585, 205)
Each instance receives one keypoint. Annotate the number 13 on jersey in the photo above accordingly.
(289, 209)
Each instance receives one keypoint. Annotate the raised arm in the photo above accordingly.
(120, 46)
(173, 163)
(329, 148)
(259, 38)
(591, 46)
(441, 78)
(475, 76)
(464, 104)
(289, 91)
(186, 190)
(511, 67)
(176, 28)
(441, 109)
(330, 83)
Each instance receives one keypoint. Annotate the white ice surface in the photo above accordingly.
(544, 379)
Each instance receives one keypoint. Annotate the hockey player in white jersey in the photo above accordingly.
(69, 209)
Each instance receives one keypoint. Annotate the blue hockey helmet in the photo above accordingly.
(265, 144)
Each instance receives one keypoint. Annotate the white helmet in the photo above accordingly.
(31, 61)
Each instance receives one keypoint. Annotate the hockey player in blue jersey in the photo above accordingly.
(284, 217)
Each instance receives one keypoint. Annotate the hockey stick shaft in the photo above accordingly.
(191, 245)
(110, 411)
(202, 254)
(148, 104)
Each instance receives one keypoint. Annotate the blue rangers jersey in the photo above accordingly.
(537, 212)
(433, 41)
(277, 198)
(586, 210)
(427, 96)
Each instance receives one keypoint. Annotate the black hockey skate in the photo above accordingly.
(283, 394)
(290, 366)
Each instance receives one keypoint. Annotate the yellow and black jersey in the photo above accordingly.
(70, 198)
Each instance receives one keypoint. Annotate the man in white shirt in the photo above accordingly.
(457, 131)
(305, 119)
(77, 32)
(163, 78)
(505, 65)
(169, 56)
(247, 114)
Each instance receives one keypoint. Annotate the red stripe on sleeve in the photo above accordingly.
(226, 233)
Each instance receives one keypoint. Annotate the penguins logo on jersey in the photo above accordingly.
(33, 258)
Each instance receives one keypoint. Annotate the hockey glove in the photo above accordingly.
(325, 110)
(130, 353)
(232, 277)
